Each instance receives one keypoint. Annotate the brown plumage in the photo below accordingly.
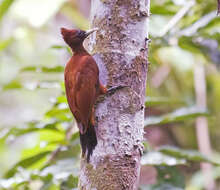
(82, 87)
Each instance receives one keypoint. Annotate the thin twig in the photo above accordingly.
(69, 133)
(176, 18)
(189, 31)
(202, 132)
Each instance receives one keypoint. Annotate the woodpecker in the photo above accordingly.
(82, 87)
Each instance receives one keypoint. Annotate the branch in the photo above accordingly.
(189, 31)
(177, 17)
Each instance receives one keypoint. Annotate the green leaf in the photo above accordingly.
(198, 180)
(15, 84)
(58, 47)
(74, 137)
(5, 43)
(44, 69)
(62, 114)
(200, 23)
(72, 150)
(169, 178)
(62, 47)
(188, 44)
(61, 99)
(68, 152)
(154, 101)
(164, 186)
(27, 162)
(4, 7)
(176, 116)
(164, 9)
(62, 168)
(53, 69)
(26, 177)
(30, 128)
(190, 155)
(70, 183)
(55, 111)
(49, 185)
(158, 158)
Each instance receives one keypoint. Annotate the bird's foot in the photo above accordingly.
(112, 90)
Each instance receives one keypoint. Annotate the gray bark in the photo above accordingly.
(120, 50)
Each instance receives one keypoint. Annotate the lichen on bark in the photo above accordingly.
(120, 50)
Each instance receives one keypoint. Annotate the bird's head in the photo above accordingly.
(74, 38)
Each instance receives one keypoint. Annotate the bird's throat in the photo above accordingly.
(79, 49)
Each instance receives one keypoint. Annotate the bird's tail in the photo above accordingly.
(88, 142)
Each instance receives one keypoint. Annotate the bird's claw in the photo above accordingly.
(112, 90)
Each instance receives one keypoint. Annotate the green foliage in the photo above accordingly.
(43, 69)
(4, 6)
(169, 178)
(58, 47)
(5, 43)
(26, 163)
(181, 114)
(190, 155)
(157, 101)
(70, 183)
(15, 84)
(160, 159)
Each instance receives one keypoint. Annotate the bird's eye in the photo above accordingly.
(81, 34)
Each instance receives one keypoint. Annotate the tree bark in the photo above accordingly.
(120, 50)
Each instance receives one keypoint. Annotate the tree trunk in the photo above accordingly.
(120, 50)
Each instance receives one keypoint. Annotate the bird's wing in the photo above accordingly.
(86, 83)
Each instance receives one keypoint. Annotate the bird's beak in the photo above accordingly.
(64, 31)
(88, 32)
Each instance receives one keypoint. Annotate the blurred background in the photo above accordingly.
(39, 144)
